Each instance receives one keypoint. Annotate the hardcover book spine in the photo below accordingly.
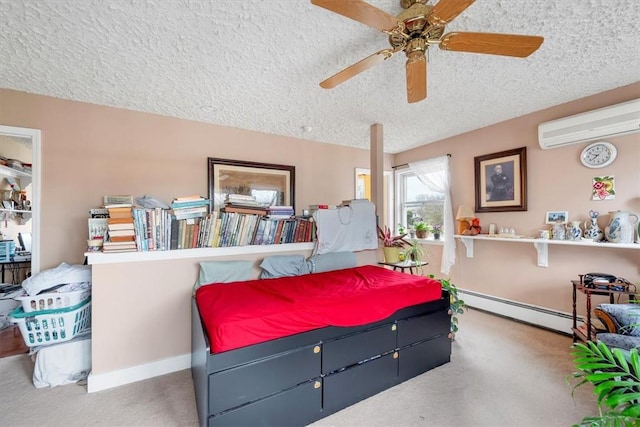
(175, 228)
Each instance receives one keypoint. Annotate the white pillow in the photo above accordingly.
(332, 261)
(223, 272)
(283, 265)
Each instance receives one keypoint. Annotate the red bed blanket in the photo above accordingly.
(243, 313)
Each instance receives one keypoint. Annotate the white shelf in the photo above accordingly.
(542, 245)
(14, 173)
(14, 211)
(118, 257)
(25, 180)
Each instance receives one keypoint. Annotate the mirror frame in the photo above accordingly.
(35, 135)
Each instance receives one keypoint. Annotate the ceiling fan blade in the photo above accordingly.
(446, 11)
(362, 12)
(492, 44)
(416, 77)
(357, 68)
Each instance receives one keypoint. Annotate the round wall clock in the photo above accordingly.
(598, 155)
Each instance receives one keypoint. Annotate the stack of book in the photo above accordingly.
(242, 201)
(120, 229)
(189, 220)
(189, 207)
(282, 212)
(239, 203)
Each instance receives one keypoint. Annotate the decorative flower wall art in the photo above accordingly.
(603, 188)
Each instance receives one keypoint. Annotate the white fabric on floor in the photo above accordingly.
(63, 363)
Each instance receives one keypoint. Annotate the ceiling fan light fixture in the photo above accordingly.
(414, 29)
(406, 4)
(415, 18)
(416, 45)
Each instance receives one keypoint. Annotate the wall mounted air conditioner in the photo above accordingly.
(607, 122)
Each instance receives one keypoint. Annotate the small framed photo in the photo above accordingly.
(501, 181)
(557, 217)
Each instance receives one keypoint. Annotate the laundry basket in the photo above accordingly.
(52, 326)
(53, 300)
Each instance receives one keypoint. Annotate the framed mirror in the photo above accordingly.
(269, 184)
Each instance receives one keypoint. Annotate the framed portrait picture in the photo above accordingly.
(270, 184)
(557, 217)
(501, 181)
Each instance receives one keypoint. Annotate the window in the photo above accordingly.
(415, 202)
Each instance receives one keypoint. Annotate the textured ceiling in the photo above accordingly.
(256, 64)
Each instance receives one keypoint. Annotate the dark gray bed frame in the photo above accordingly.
(299, 379)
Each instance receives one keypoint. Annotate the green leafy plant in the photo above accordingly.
(457, 305)
(615, 375)
(421, 226)
(388, 240)
(414, 251)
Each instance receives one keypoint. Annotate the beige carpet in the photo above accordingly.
(502, 373)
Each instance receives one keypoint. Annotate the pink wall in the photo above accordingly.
(91, 150)
(556, 181)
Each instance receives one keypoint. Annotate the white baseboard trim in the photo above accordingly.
(99, 382)
(535, 315)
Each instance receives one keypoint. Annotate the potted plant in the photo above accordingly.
(615, 374)
(422, 229)
(437, 229)
(391, 244)
(414, 251)
(456, 306)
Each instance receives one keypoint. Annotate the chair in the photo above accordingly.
(622, 325)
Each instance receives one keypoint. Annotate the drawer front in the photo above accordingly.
(355, 348)
(298, 406)
(344, 388)
(423, 327)
(422, 357)
(237, 386)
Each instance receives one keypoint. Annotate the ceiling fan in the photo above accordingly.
(416, 28)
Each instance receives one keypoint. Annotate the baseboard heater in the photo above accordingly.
(527, 313)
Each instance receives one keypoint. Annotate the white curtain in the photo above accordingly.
(434, 174)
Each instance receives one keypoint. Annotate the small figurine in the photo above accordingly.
(475, 226)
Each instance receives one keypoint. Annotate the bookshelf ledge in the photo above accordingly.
(119, 257)
(541, 245)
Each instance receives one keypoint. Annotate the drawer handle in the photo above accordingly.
(395, 355)
(316, 384)
(394, 327)
(316, 349)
